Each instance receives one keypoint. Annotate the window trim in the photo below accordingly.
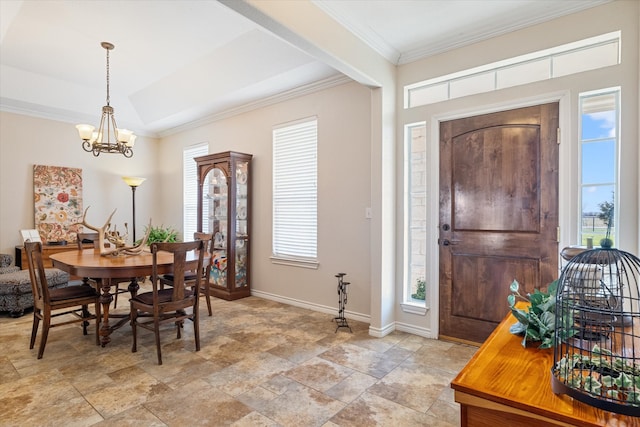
(617, 90)
(408, 304)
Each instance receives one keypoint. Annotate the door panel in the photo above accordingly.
(498, 214)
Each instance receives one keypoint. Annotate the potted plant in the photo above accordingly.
(161, 234)
(538, 321)
(421, 290)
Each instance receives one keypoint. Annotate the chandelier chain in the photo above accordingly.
(108, 97)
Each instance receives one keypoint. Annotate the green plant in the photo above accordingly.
(161, 234)
(421, 291)
(602, 373)
(538, 321)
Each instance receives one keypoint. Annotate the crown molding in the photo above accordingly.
(364, 33)
(327, 83)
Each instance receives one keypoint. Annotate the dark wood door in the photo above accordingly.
(498, 215)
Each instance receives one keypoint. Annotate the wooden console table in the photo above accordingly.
(505, 384)
(47, 250)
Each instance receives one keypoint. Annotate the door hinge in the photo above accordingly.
(558, 234)
(558, 136)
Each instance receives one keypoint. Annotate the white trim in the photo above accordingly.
(566, 161)
(414, 308)
(494, 67)
(382, 332)
(415, 330)
(295, 262)
(360, 317)
(327, 83)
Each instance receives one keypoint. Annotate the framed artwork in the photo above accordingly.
(57, 193)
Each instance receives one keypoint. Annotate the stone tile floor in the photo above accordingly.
(262, 363)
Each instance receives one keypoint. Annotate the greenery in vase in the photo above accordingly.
(420, 291)
(538, 321)
(161, 234)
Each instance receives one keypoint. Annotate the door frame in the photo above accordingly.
(567, 180)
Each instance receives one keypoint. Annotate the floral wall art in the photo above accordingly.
(57, 195)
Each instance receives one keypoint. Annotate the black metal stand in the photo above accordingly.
(342, 302)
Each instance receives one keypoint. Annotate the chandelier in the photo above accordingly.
(108, 138)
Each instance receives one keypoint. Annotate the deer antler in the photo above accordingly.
(102, 231)
(103, 236)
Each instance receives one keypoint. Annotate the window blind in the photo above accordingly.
(295, 200)
(190, 189)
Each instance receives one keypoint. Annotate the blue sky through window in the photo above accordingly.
(598, 158)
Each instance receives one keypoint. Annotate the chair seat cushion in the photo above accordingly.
(72, 292)
(164, 295)
(188, 276)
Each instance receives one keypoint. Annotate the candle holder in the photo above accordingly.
(341, 321)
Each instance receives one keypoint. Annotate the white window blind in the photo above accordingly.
(190, 189)
(295, 200)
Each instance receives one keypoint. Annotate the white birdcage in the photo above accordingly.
(597, 331)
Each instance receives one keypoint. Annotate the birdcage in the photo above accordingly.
(597, 331)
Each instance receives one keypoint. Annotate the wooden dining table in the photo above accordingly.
(90, 263)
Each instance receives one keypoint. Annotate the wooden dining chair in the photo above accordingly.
(94, 238)
(169, 305)
(46, 301)
(205, 284)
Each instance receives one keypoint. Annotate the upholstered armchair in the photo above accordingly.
(15, 285)
(5, 264)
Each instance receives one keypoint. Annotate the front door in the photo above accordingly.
(498, 215)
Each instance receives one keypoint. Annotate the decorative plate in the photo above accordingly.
(242, 179)
(242, 212)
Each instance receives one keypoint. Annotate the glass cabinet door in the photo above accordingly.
(242, 222)
(218, 224)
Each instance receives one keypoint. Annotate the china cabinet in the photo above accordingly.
(224, 209)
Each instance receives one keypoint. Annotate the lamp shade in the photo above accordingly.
(133, 181)
(124, 135)
(85, 131)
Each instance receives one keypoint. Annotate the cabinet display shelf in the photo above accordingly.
(505, 384)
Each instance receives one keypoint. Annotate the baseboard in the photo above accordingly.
(411, 329)
(311, 306)
(382, 332)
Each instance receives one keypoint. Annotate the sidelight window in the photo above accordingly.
(599, 142)
(415, 199)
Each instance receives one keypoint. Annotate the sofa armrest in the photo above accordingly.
(5, 260)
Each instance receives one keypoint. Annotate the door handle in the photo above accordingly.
(447, 242)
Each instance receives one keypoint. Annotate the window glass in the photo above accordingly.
(190, 189)
(599, 113)
(416, 214)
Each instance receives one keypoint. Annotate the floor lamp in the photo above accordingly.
(133, 182)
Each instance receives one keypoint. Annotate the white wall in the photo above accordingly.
(25, 141)
(619, 15)
(344, 191)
